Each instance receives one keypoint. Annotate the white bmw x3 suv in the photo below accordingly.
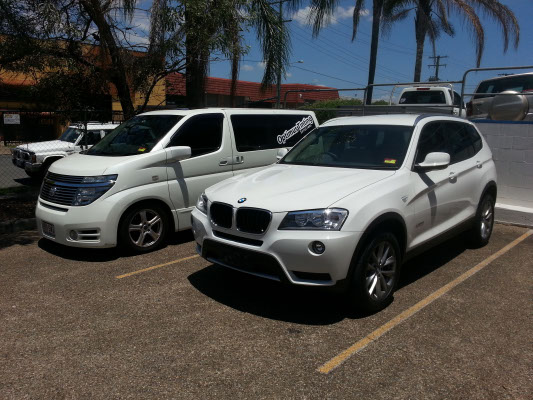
(350, 202)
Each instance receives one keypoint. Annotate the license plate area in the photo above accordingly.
(48, 229)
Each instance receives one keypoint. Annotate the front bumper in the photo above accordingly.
(288, 251)
(95, 224)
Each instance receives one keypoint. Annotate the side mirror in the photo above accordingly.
(433, 161)
(281, 153)
(178, 153)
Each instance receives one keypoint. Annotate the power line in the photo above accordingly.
(329, 76)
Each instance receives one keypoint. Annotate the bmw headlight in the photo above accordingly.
(201, 204)
(328, 219)
(93, 188)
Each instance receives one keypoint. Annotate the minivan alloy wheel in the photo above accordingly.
(380, 271)
(145, 227)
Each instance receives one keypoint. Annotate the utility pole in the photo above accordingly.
(436, 65)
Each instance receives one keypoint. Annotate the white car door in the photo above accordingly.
(208, 136)
(259, 136)
(433, 192)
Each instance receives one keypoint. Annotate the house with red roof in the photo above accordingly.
(248, 94)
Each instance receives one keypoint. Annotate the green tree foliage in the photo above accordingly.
(328, 109)
(432, 18)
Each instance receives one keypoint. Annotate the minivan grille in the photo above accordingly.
(221, 215)
(64, 178)
(58, 194)
(253, 220)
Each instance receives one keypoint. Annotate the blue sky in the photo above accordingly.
(335, 55)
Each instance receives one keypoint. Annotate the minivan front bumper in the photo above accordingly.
(284, 255)
(88, 226)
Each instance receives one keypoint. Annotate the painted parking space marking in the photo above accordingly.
(140, 271)
(361, 344)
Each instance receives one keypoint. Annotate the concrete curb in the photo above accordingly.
(18, 225)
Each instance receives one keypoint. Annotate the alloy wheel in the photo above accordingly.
(380, 271)
(145, 228)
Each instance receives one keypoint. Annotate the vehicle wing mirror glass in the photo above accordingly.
(281, 153)
(178, 153)
(432, 161)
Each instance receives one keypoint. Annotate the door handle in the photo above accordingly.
(479, 164)
(223, 162)
(452, 177)
(239, 159)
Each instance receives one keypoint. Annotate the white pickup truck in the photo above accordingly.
(438, 99)
(36, 158)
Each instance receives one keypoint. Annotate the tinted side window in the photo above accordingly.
(261, 132)
(432, 140)
(202, 133)
(460, 143)
(93, 137)
(474, 138)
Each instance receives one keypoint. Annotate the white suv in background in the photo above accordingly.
(35, 158)
(350, 202)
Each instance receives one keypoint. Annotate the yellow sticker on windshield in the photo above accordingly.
(141, 149)
(390, 161)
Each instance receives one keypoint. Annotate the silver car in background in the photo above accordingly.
(505, 98)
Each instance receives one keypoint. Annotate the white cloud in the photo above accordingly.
(303, 14)
(261, 64)
(288, 75)
(247, 67)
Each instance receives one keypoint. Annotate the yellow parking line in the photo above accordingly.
(156, 266)
(358, 346)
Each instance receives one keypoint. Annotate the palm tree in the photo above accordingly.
(432, 18)
(322, 9)
(222, 32)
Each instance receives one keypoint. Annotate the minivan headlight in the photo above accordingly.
(328, 219)
(94, 187)
(201, 204)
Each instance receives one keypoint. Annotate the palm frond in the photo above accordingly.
(359, 6)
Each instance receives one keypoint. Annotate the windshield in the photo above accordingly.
(353, 146)
(71, 135)
(423, 97)
(138, 135)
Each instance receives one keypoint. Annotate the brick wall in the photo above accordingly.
(512, 149)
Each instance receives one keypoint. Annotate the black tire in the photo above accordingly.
(483, 222)
(151, 226)
(371, 275)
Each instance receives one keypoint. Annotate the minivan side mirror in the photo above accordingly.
(281, 153)
(433, 161)
(178, 153)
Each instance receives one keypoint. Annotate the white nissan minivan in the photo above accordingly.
(142, 180)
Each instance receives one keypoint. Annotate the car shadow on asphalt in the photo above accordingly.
(103, 255)
(306, 305)
(271, 299)
(22, 238)
(432, 259)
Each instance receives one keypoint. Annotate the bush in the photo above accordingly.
(325, 115)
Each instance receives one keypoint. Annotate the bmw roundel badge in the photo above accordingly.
(241, 200)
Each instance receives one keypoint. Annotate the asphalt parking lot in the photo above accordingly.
(94, 324)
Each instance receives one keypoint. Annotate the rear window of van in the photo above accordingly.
(267, 131)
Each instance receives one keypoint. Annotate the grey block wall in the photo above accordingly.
(512, 149)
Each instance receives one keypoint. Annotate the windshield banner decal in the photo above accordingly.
(300, 127)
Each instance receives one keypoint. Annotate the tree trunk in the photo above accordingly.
(197, 54)
(377, 9)
(118, 73)
(420, 35)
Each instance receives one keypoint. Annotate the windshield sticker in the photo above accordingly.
(390, 161)
(402, 100)
(300, 127)
(141, 149)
